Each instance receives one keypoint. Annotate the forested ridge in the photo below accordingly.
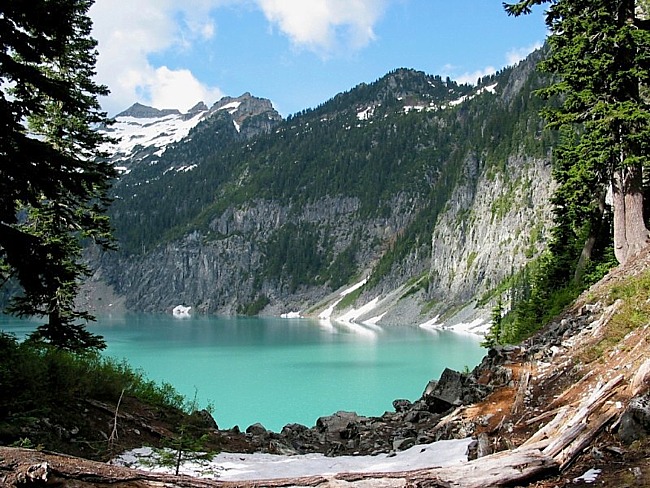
(395, 150)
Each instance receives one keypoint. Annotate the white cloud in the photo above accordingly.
(474, 76)
(517, 54)
(323, 26)
(512, 57)
(129, 32)
(178, 89)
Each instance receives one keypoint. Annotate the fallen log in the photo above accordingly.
(503, 468)
(546, 433)
(566, 457)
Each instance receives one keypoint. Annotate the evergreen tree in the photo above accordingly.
(53, 187)
(601, 51)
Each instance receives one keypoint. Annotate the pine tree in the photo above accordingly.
(53, 187)
(601, 51)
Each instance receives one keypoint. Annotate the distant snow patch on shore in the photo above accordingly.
(291, 315)
(477, 327)
(242, 467)
(181, 311)
(353, 315)
(327, 313)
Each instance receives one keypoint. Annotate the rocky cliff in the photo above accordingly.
(432, 192)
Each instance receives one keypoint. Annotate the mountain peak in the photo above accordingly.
(199, 107)
(141, 111)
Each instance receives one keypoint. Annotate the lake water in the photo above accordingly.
(279, 371)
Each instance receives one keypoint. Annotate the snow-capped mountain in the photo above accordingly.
(142, 133)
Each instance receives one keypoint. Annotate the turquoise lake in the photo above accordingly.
(279, 371)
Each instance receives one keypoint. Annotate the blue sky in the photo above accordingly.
(297, 53)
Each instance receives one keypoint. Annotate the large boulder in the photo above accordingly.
(635, 422)
(448, 392)
(341, 425)
(452, 390)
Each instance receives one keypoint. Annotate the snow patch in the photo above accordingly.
(181, 311)
(366, 114)
(258, 466)
(417, 108)
(589, 477)
(327, 313)
(185, 169)
(231, 107)
(291, 315)
(478, 327)
(354, 287)
(158, 132)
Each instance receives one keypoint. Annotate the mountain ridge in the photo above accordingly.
(279, 215)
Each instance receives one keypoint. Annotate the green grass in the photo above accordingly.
(349, 299)
(634, 311)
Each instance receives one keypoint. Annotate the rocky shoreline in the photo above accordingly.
(411, 423)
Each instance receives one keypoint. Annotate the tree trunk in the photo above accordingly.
(630, 232)
(594, 231)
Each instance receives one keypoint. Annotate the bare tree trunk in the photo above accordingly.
(594, 230)
(630, 232)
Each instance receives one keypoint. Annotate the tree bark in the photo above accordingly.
(630, 232)
(594, 231)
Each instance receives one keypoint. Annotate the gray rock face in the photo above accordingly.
(216, 274)
(493, 222)
(635, 422)
(140, 111)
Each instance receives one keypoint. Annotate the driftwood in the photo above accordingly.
(564, 437)
(503, 468)
(641, 381)
(566, 457)
(543, 435)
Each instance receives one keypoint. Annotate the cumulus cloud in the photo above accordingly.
(517, 54)
(512, 57)
(325, 25)
(474, 76)
(129, 32)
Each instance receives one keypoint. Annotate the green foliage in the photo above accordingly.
(254, 307)
(600, 50)
(350, 299)
(38, 377)
(294, 255)
(633, 313)
(343, 268)
(495, 334)
(53, 189)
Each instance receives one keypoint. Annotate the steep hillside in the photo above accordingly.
(434, 192)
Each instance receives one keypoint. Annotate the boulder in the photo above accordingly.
(447, 393)
(341, 425)
(257, 429)
(203, 418)
(402, 405)
(635, 422)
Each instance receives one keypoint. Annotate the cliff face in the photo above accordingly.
(432, 192)
(491, 230)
